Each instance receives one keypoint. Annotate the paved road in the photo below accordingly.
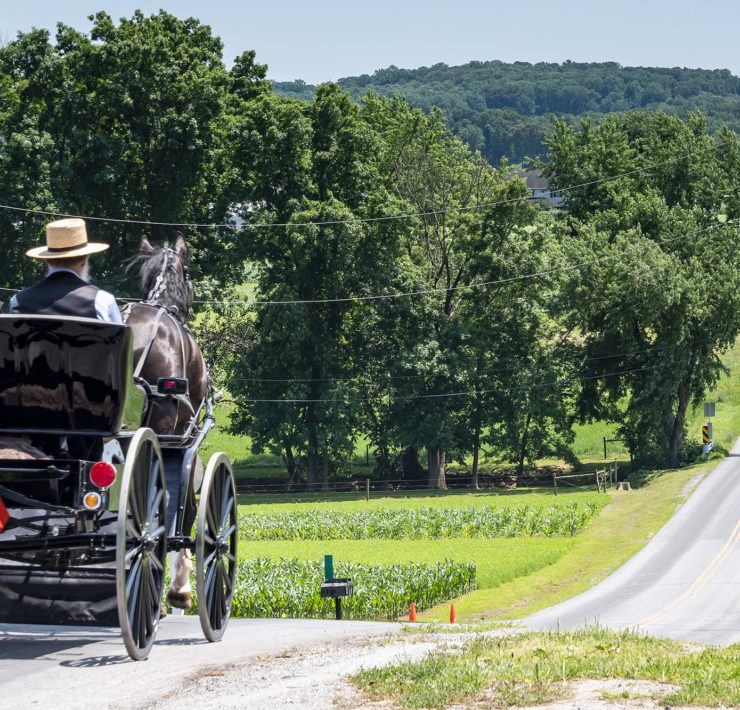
(684, 584)
(53, 667)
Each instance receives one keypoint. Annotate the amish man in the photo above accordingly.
(65, 291)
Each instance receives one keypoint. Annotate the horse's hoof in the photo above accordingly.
(162, 610)
(180, 600)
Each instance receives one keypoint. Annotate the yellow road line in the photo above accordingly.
(701, 580)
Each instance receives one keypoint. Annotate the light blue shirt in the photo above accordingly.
(106, 307)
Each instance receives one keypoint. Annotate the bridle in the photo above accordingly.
(160, 283)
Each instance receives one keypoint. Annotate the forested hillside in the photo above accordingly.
(505, 109)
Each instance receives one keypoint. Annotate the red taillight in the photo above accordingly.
(103, 474)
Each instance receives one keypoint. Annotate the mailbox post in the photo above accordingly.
(335, 588)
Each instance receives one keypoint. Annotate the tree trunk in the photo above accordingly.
(523, 445)
(290, 464)
(436, 468)
(673, 459)
(432, 467)
(476, 449)
(325, 471)
(476, 440)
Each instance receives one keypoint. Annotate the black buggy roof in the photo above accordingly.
(66, 375)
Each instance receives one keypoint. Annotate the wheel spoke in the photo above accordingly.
(223, 594)
(209, 540)
(229, 556)
(209, 579)
(136, 517)
(132, 576)
(228, 532)
(141, 480)
(154, 503)
(208, 560)
(157, 532)
(213, 598)
(211, 515)
(133, 552)
(225, 508)
(226, 511)
(131, 529)
(227, 579)
(155, 561)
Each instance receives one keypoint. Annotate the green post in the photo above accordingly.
(328, 567)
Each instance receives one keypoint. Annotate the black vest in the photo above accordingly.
(59, 294)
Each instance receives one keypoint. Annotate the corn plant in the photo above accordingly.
(418, 523)
(291, 587)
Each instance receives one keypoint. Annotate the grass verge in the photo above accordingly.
(532, 668)
(616, 534)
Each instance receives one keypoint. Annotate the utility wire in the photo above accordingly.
(360, 379)
(354, 220)
(444, 289)
(443, 395)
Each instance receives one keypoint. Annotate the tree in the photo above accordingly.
(655, 294)
(122, 123)
(468, 215)
(318, 182)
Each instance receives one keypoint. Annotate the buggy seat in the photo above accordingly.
(65, 375)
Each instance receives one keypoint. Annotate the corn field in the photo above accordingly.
(419, 523)
(290, 587)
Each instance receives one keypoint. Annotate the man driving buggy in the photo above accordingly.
(65, 291)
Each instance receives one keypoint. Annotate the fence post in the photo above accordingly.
(604, 448)
(367, 489)
(555, 481)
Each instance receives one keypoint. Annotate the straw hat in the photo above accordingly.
(66, 238)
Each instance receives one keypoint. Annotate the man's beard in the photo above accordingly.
(85, 275)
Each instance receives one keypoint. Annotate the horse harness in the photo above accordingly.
(162, 311)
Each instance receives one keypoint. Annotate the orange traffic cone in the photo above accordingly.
(412, 613)
(453, 615)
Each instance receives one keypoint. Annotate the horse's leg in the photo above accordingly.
(180, 595)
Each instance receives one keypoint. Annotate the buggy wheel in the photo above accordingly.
(141, 547)
(215, 547)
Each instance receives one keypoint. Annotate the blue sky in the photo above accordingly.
(327, 39)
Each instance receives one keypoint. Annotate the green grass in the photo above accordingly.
(497, 561)
(610, 539)
(533, 668)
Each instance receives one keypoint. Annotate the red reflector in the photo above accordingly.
(4, 515)
(103, 474)
(170, 384)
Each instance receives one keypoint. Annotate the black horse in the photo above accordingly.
(163, 345)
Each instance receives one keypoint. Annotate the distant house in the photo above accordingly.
(540, 187)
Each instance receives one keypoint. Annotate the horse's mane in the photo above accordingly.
(173, 290)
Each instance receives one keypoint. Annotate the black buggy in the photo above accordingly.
(85, 531)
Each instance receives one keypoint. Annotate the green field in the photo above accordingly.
(497, 560)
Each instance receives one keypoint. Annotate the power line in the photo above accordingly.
(381, 377)
(444, 395)
(354, 220)
(444, 289)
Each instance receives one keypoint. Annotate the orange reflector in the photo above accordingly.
(4, 515)
(92, 500)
